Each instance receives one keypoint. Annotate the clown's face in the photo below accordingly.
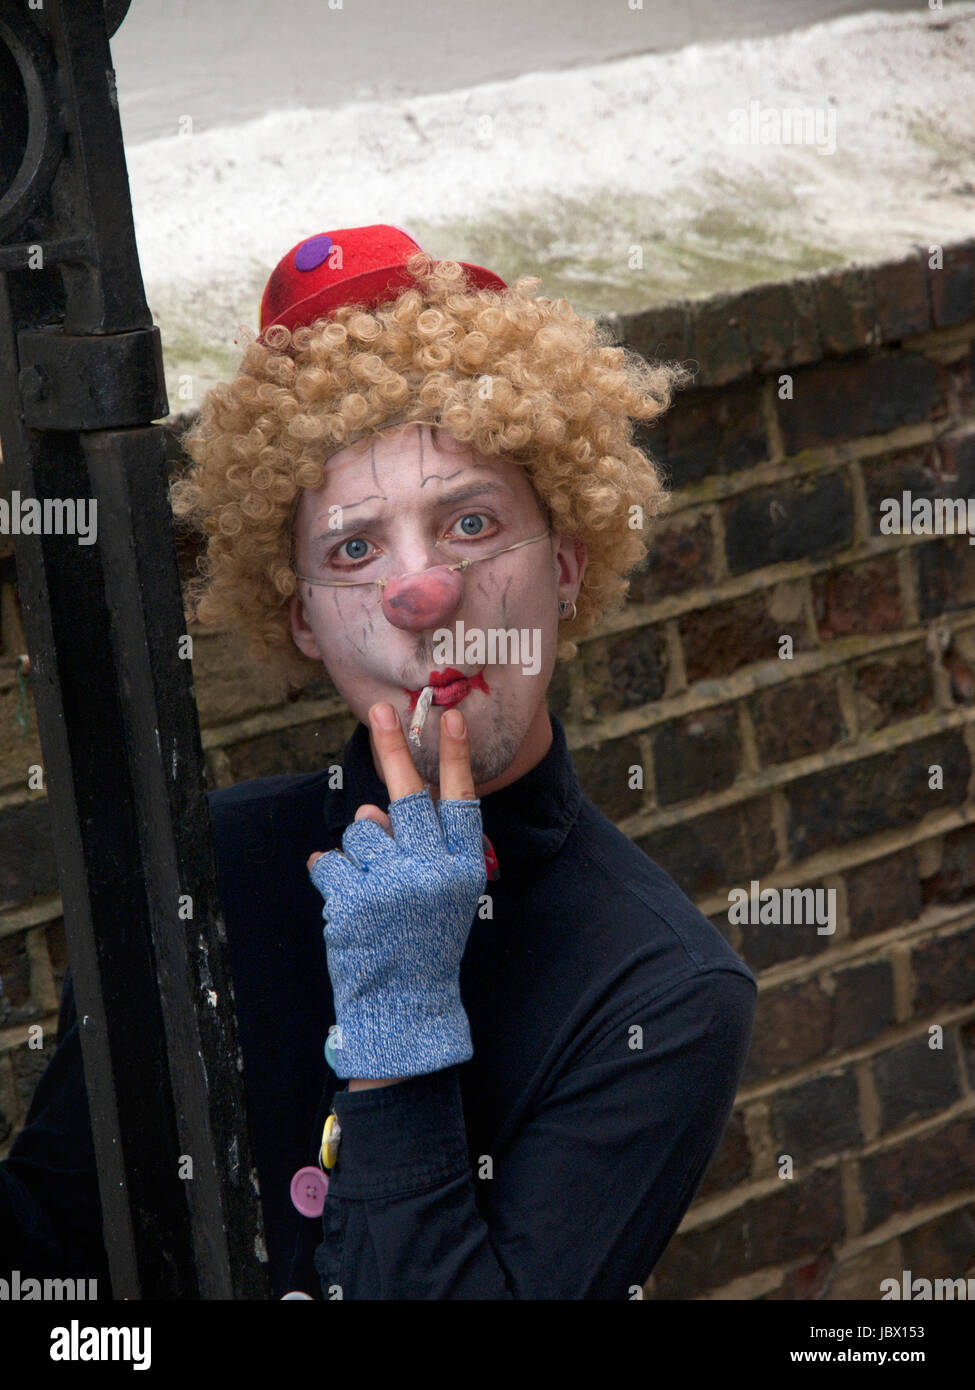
(379, 513)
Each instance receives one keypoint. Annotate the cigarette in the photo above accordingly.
(420, 713)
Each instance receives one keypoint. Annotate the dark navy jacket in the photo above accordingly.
(610, 1022)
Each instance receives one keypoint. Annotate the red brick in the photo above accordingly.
(623, 671)
(847, 307)
(797, 719)
(604, 775)
(765, 944)
(30, 1065)
(954, 880)
(963, 382)
(680, 558)
(961, 678)
(863, 1004)
(719, 339)
(696, 755)
(732, 1164)
(919, 1170)
(861, 598)
(957, 452)
(952, 287)
(57, 950)
(943, 1248)
(301, 748)
(921, 471)
(809, 1280)
(883, 893)
(945, 575)
(708, 432)
(806, 517)
(28, 867)
(803, 1218)
(817, 1117)
(801, 1022)
(967, 1033)
(559, 693)
(840, 805)
(792, 1028)
(658, 334)
(716, 850)
(782, 324)
(902, 302)
(914, 1081)
(15, 976)
(892, 689)
(720, 639)
(944, 971)
(864, 396)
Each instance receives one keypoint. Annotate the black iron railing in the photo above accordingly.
(80, 383)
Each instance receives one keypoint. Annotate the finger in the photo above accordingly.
(416, 826)
(456, 778)
(365, 842)
(398, 770)
(463, 831)
(374, 813)
(331, 872)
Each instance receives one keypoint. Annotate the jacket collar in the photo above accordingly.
(525, 821)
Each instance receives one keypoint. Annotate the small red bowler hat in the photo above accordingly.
(354, 265)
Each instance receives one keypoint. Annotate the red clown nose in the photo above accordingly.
(416, 602)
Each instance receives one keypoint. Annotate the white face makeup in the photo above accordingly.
(397, 497)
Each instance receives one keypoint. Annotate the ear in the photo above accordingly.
(304, 637)
(571, 557)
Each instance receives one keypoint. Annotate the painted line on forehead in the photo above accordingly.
(319, 544)
(442, 477)
(351, 506)
(477, 488)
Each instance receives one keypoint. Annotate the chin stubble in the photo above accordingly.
(492, 751)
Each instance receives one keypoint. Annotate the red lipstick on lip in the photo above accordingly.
(450, 687)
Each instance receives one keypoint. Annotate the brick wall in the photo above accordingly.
(799, 763)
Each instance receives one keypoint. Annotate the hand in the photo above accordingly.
(399, 903)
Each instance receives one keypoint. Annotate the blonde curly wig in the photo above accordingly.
(561, 401)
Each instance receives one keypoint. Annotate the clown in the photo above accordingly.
(361, 332)
(508, 1070)
(388, 401)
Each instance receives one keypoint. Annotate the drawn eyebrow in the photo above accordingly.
(461, 494)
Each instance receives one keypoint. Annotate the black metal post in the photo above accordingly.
(80, 383)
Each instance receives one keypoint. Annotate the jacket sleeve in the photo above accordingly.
(50, 1208)
(582, 1201)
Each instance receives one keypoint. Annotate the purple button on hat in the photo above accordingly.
(312, 252)
(308, 1190)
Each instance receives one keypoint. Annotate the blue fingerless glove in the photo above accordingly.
(398, 912)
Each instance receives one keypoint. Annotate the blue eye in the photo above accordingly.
(356, 540)
(344, 553)
(472, 516)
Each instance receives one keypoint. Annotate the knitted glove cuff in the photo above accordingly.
(382, 1036)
